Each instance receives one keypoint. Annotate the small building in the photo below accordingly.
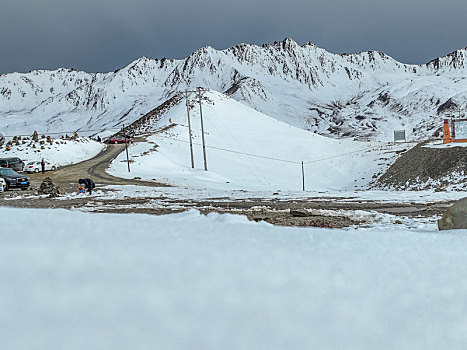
(455, 131)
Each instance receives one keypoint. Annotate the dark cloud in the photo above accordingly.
(103, 35)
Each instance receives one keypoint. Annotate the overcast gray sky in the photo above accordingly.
(103, 35)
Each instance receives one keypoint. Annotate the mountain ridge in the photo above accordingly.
(305, 86)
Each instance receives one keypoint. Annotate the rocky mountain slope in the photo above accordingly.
(364, 95)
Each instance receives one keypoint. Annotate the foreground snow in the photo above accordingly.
(80, 281)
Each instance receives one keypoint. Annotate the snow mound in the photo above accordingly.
(245, 150)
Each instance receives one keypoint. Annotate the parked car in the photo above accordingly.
(14, 163)
(35, 167)
(120, 139)
(2, 184)
(13, 179)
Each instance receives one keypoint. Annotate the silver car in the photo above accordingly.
(2, 184)
(35, 167)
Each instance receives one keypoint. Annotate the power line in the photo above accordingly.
(336, 156)
(272, 158)
(232, 151)
(207, 146)
(267, 157)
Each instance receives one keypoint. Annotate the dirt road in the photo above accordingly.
(94, 168)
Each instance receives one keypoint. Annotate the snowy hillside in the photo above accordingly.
(246, 150)
(365, 95)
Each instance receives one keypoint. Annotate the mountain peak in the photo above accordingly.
(454, 60)
(286, 43)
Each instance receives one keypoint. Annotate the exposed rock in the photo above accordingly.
(447, 106)
(299, 213)
(144, 123)
(301, 217)
(455, 217)
(48, 187)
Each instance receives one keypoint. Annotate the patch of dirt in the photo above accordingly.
(316, 212)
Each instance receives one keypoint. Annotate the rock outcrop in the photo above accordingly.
(48, 187)
(455, 217)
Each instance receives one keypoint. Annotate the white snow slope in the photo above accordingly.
(248, 150)
(104, 281)
(59, 151)
(365, 95)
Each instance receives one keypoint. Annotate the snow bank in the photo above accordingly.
(60, 151)
(106, 281)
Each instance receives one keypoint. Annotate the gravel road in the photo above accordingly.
(95, 168)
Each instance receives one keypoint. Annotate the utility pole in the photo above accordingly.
(189, 129)
(303, 177)
(202, 130)
(126, 147)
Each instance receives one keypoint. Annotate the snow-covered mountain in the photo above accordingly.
(364, 95)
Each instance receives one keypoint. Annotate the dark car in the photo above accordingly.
(120, 139)
(14, 163)
(13, 179)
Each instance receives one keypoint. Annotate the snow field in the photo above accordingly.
(186, 281)
(247, 150)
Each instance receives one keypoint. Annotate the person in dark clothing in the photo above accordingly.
(43, 165)
(88, 184)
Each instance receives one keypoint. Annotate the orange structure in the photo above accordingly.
(449, 133)
(446, 132)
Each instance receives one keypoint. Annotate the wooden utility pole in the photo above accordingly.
(126, 147)
(202, 130)
(189, 129)
(303, 177)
